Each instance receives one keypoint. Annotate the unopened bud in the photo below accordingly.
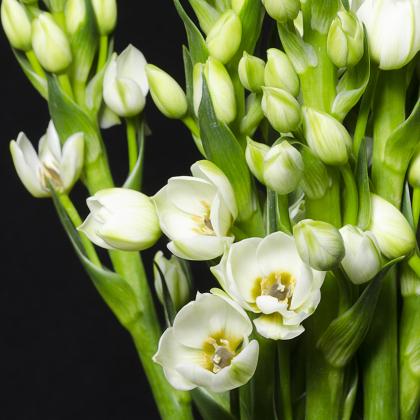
(251, 72)
(75, 15)
(414, 171)
(106, 15)
(282, 10)
(16, 24)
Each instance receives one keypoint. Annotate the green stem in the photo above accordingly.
(283, 213)
(77, 221)
(285, 398)
(79, 92)
(33, 60)
(416, 207)
(191, 124)
(103, 53)
(133, 149)
(66, 85)
(414, 263)
(351, 196)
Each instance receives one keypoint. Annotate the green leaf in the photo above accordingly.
(115, 291)
(271, 212)
(352, 379)
(345, 334)
(406, 208)
(222, 148)
(362, 181)
(188, 69)
(208, 408)
(319, 14)
(168, 305)
(251, 16)
(39, 83)
(206, 14)
(351, 86)
(196, 43)
(134, 180)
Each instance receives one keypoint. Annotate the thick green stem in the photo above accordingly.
(103, 52)
(33, 60)
(416, 207)
(285, 397)
(351, 196)
(66, 85)
(133, 149)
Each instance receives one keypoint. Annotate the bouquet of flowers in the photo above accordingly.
(304, 207)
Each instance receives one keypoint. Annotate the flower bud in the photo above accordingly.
(279, 72)
(362, 259)
(253, 115)
(319, 244)
(50, 44)
(393, 233)
(75, 15)
(16, 24)
(414, 171)
(224, 38)
(326, 136)
(121, 219)
(55, 6)
(197, 86)
(283, 10)
(166, 93)
(281, 109)
(175, 278)
(221, 90)
(280, 167)
(345, 40)
(106, 15)
(251, 72)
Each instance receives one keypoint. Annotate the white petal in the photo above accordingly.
(90, 227)
(269, 304)
(72, 160)
(53, 141)
(220, 217)
(303, 287)
(108, 118)
(271, 326)
(28, 150)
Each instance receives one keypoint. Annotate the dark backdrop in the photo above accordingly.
(63, 354)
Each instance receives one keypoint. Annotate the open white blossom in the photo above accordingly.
(196, 213)
(208, 346)
(60, 167)
(267, 276)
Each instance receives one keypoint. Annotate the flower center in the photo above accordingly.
(278, 285)
(219, 353)
(52, 176)
(203, 222)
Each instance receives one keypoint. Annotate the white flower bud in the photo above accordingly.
(414, 171)
(393, 233)
(281, 109)
(251, 72)
(362, 259)
(326, 136)
(279, 72)
(175, 278)
(166, 93)
(221, 90)
(16, 24)
(121, 219)
(280, 167)
(197, 86)
(106, 15)
(282, 10)
(125, 83)
(75, 15)
(224, 38)
(319, 244)
(392, 29)
(50, 44)
(345, 40)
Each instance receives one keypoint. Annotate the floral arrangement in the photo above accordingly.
(304, 207)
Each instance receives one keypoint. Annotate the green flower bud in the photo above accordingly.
(253, 115)
(326, 136)
(106, 15)
(55, 6)
(221, 90)
(281, 109)
(414, 171)
(279, 72)
(224, 38)
(197, 86)
(362, 260)
(282, 10)
(251, 72)
(166, 93)
(345, 44)
(319, 244)
(50, 44)
(16, 24)
(237, 5)
(75, 15)
(280, 167)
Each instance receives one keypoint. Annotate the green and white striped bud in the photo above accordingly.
(224, 38)
(166, 93)
(280, 167)
(16, 24)
(75, 15)
(50, 44)
(281, 109)
(414, 171)
(279, 72)
(319, 244)
(345, 42)
(251, 72)
(326, 136)
(282, 10)
(106, 15)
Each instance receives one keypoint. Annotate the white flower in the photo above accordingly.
(125, 83)
(16, 24)
(121, 219)
(208, 346)
(267, 276)
(393, 233)
(175, 277)
(61, 167)
(362, 260)
(196, 212)
(393, 29)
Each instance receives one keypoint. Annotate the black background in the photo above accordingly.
(63, 355)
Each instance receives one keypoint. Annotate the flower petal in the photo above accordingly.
(271, 326)
(72, 160)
